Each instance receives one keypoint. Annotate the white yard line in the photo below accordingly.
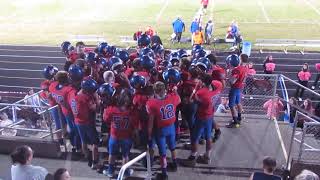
(285, 154)
(305, 144)
(312, 6)
(165, 5)
(7, 77)
(264, 12)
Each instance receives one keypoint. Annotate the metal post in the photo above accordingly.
(302, 142)
(149, 173)
(49, 123)
(292, 139)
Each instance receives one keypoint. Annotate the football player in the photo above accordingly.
(123, 125)
(203, 94)
(161, 110)
(236, 79)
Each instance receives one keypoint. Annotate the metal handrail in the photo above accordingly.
(294, 82)
(21, 100)
(136, 159)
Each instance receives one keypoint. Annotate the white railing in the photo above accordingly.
(136, 159)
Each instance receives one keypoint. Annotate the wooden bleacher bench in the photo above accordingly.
(275, 43)
(127, 39)
(287, 43)
(307, 43)
(87, 38)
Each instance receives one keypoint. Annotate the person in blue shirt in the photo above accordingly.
(208, 31)
(194, 28)
(269, 166)
(178, 28)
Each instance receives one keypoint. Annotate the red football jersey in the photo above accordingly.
(185, 75)
(139, 103)
(45, 87)
(60, 95)
(218, 73)
(122, 123)
(73, 56)
(240, 74)
(80, 105)
(164, 110)
(205, 97)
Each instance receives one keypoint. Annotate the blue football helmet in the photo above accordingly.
(196, 48)
(89, 85)
(111, 50)
(138, 82)
(200, 53)
(106, 90)
(49, 72)
(146, 52)
(114, 62)
(102, 47)
(65, 47)
(233, 60)
(171, 76)
(90, 58)
(174, 59)
(157, 49)
(182, 53)
(123, 55)
(147, 62)
(204, 64)
(75, 73)
(144, 41)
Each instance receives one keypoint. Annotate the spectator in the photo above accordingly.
(32, 101)
(198, 38)
(178, 28)
(317, 77)
(250, 79)
(204, 4)
(303, 77)
(307, 175)
(22, 169)
(208, 31)
(273, 107)
(62, 174)
(306, 106)
(268, 65)
(223, 107)
(269, 165)
(5, 121)
(194, 28)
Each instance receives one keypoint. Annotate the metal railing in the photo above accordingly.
(136, 159)
(45, 118)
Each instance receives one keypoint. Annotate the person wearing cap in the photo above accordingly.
(178, 28)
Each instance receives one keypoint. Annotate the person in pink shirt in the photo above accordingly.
(303, 77)
(273, 107)
(317, 77)
(249, 81)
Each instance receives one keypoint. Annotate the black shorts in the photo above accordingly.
(205, 6)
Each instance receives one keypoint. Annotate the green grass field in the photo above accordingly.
(52, 21)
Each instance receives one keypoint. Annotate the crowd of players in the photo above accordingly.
(140, 96)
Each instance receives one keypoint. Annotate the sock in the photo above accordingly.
(163, 162)
(194, 154)
(234, 119)
(164, 171)
(239, 117)
(174, 160)
(207, 153)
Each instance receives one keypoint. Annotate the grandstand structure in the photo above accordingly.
(235, 155)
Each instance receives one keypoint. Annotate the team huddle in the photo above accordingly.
(140, 97)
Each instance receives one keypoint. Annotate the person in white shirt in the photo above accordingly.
(22, 169)
(32, 101)
(223, 107)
